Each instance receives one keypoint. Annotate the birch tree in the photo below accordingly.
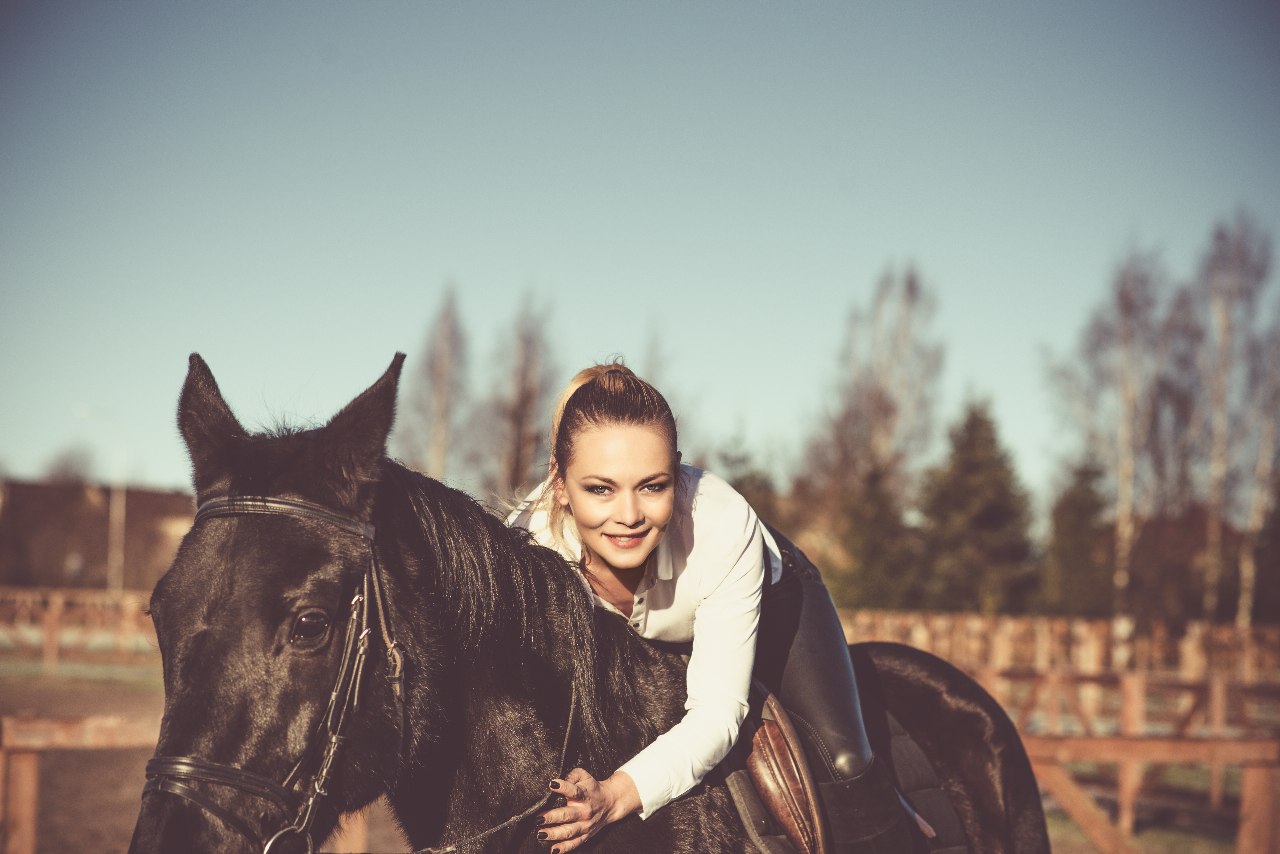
(1232, 275)
(426, 433)
(1261, 422)
(1121, 354)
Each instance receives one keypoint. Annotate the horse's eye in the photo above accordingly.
(310, 627)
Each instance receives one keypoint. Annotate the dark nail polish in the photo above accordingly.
(555, 851)
(540, 822)
(561, 801)
(555, 784)
(542, 834)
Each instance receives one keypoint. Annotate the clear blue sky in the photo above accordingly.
(288, 187)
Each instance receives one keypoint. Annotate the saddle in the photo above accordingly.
(775, 793)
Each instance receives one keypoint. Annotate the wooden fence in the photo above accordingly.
(23, 740)
(1210, 696)
(58, 623)
(55, 624)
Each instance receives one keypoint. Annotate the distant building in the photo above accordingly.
(58, 534)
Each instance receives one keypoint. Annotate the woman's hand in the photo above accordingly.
(589, 805)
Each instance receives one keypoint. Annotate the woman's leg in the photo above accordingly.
(802, 657)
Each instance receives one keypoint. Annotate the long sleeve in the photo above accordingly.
(728, 554)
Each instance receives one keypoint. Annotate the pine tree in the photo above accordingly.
(884, 550)
(1077, 575)
(1266, 603)
(977, 548)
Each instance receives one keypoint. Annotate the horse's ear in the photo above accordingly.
(207, 425)
(356, 437)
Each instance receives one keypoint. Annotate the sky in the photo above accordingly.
(707, 189)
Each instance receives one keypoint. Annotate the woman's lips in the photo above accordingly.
(626, 541)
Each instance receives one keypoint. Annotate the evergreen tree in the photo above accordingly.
(1077, 574)
(740, 471)
(884, 572)
(1266, 603)
(976, 517)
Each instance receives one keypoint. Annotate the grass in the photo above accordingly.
(1065, 838)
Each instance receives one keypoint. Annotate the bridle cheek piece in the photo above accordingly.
(173, 774)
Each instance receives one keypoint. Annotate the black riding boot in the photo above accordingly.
(864, 816)
(802, 656)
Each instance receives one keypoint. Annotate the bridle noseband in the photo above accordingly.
(172, 774)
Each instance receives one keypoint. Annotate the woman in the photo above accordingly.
(682, 556)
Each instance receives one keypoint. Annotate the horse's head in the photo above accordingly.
(263, 621)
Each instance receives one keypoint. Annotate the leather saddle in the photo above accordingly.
(769, 779)
(772, 787)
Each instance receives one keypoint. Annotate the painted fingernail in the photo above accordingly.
(555, 784)
(542, 834)
(555, 851)
(542, 819)
(561, 801)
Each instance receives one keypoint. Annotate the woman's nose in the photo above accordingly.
(629, 510)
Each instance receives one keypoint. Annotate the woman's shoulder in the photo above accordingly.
(711, 498)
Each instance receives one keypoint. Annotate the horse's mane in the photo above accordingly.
(506, 592)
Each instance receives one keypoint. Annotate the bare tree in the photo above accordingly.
(426, 432)
(1121, 352)
(1175, 436)
(1261, 424)
(888, 372)
(509, 429)
(1232, 275)
(880, 421)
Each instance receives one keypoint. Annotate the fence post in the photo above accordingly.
(52, 631)
(1259, 809)
(21, 789)
(1217, 719)
(1133, 722)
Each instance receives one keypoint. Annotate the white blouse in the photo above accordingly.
(703, 584)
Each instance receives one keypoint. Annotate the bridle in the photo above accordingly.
(173, 774)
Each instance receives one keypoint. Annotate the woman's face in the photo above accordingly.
(619, 486)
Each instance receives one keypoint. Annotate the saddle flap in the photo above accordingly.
(777, 767)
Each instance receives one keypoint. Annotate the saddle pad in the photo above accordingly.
(920, 785)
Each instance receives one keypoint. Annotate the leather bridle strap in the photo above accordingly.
(165, 772)
(168, 773)
(248, 505)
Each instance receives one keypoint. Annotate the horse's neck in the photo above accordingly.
(503, 747)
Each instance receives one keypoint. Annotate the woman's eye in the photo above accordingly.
(655, 487)
(597, 489)
(310, 627)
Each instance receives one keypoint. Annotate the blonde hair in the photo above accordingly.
(608, 393)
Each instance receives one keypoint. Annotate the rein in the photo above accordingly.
(172, 774)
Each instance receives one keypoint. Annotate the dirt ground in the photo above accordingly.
(89, 799)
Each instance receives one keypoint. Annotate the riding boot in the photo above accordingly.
(864, 815)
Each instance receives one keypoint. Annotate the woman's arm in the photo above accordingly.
(729, 574)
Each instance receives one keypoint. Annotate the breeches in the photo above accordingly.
(801, 656)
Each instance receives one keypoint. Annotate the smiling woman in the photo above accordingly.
(682, 557)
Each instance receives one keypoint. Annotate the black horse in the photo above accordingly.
(336, 627)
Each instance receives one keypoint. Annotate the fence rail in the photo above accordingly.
(60, 622)
(24, 739)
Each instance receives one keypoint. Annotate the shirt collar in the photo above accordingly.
(663, 568)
